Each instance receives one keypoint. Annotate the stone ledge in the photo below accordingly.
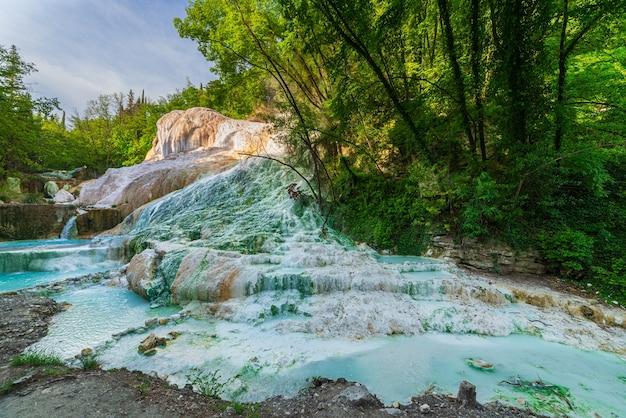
(497, 258)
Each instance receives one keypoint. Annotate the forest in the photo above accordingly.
(498, 121)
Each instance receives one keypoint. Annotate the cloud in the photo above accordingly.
(84, 48)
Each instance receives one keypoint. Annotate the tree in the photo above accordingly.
(18, 127)
(587, 17)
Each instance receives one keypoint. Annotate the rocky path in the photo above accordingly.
(58, 391)
(23, 320)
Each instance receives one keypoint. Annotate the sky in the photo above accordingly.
(85, 48)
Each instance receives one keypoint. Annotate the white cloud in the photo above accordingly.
(84, 48)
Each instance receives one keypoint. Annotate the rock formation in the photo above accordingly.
(63, 196)
(188, 144)
(200, 128)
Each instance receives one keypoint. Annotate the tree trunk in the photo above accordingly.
(476, 55)
(560, 95)
(338, 21)
(512, 43)
(456, 72)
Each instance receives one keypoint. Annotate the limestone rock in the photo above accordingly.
(216, 142)
(486, 256)
(480, 364)
(424, 408)
(359, 396)
(141, 272)
(95, 220)
(50, 189)
(467, 394)
(174, 334)
(182, 131)
(63, 196)
(150, 343)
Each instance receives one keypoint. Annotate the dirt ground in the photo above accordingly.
(23, 320)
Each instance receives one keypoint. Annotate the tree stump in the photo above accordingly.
(467, 394)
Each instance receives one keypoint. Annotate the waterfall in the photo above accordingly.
(70, 231)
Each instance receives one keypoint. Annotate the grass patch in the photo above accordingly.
(35, 358)
(89, 363)
(6, 387)
(209, 384)
(54, 371)
(243, 409)
(144, 386)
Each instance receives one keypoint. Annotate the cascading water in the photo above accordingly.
(275, 301)
(70, 231)
(29, 263)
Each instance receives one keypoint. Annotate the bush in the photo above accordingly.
(568, 252)
(388, 213)
(33, 198)
(612, 281)
(483, 210)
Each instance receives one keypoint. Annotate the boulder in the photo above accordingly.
(95, 220)
(63, 196)
(358, 396)
(50, 189)
(150, 343)
(467, 395)
(141, 272)
(480, 364)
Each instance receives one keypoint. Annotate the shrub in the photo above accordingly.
(388, 213)
(6, 387)
(33, 198)
(483, 210)
(568, 252)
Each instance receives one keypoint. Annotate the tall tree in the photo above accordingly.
(588, 17)
(456, 72)
(476, 56)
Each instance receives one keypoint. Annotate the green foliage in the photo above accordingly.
(33, 198)
(209, 384)
(389, 214)
(89, 362)
(6, 387)
(568, 251)
(484, 209)
(36, 358)
(543, 397)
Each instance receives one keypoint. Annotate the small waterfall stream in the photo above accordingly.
(70, 231)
